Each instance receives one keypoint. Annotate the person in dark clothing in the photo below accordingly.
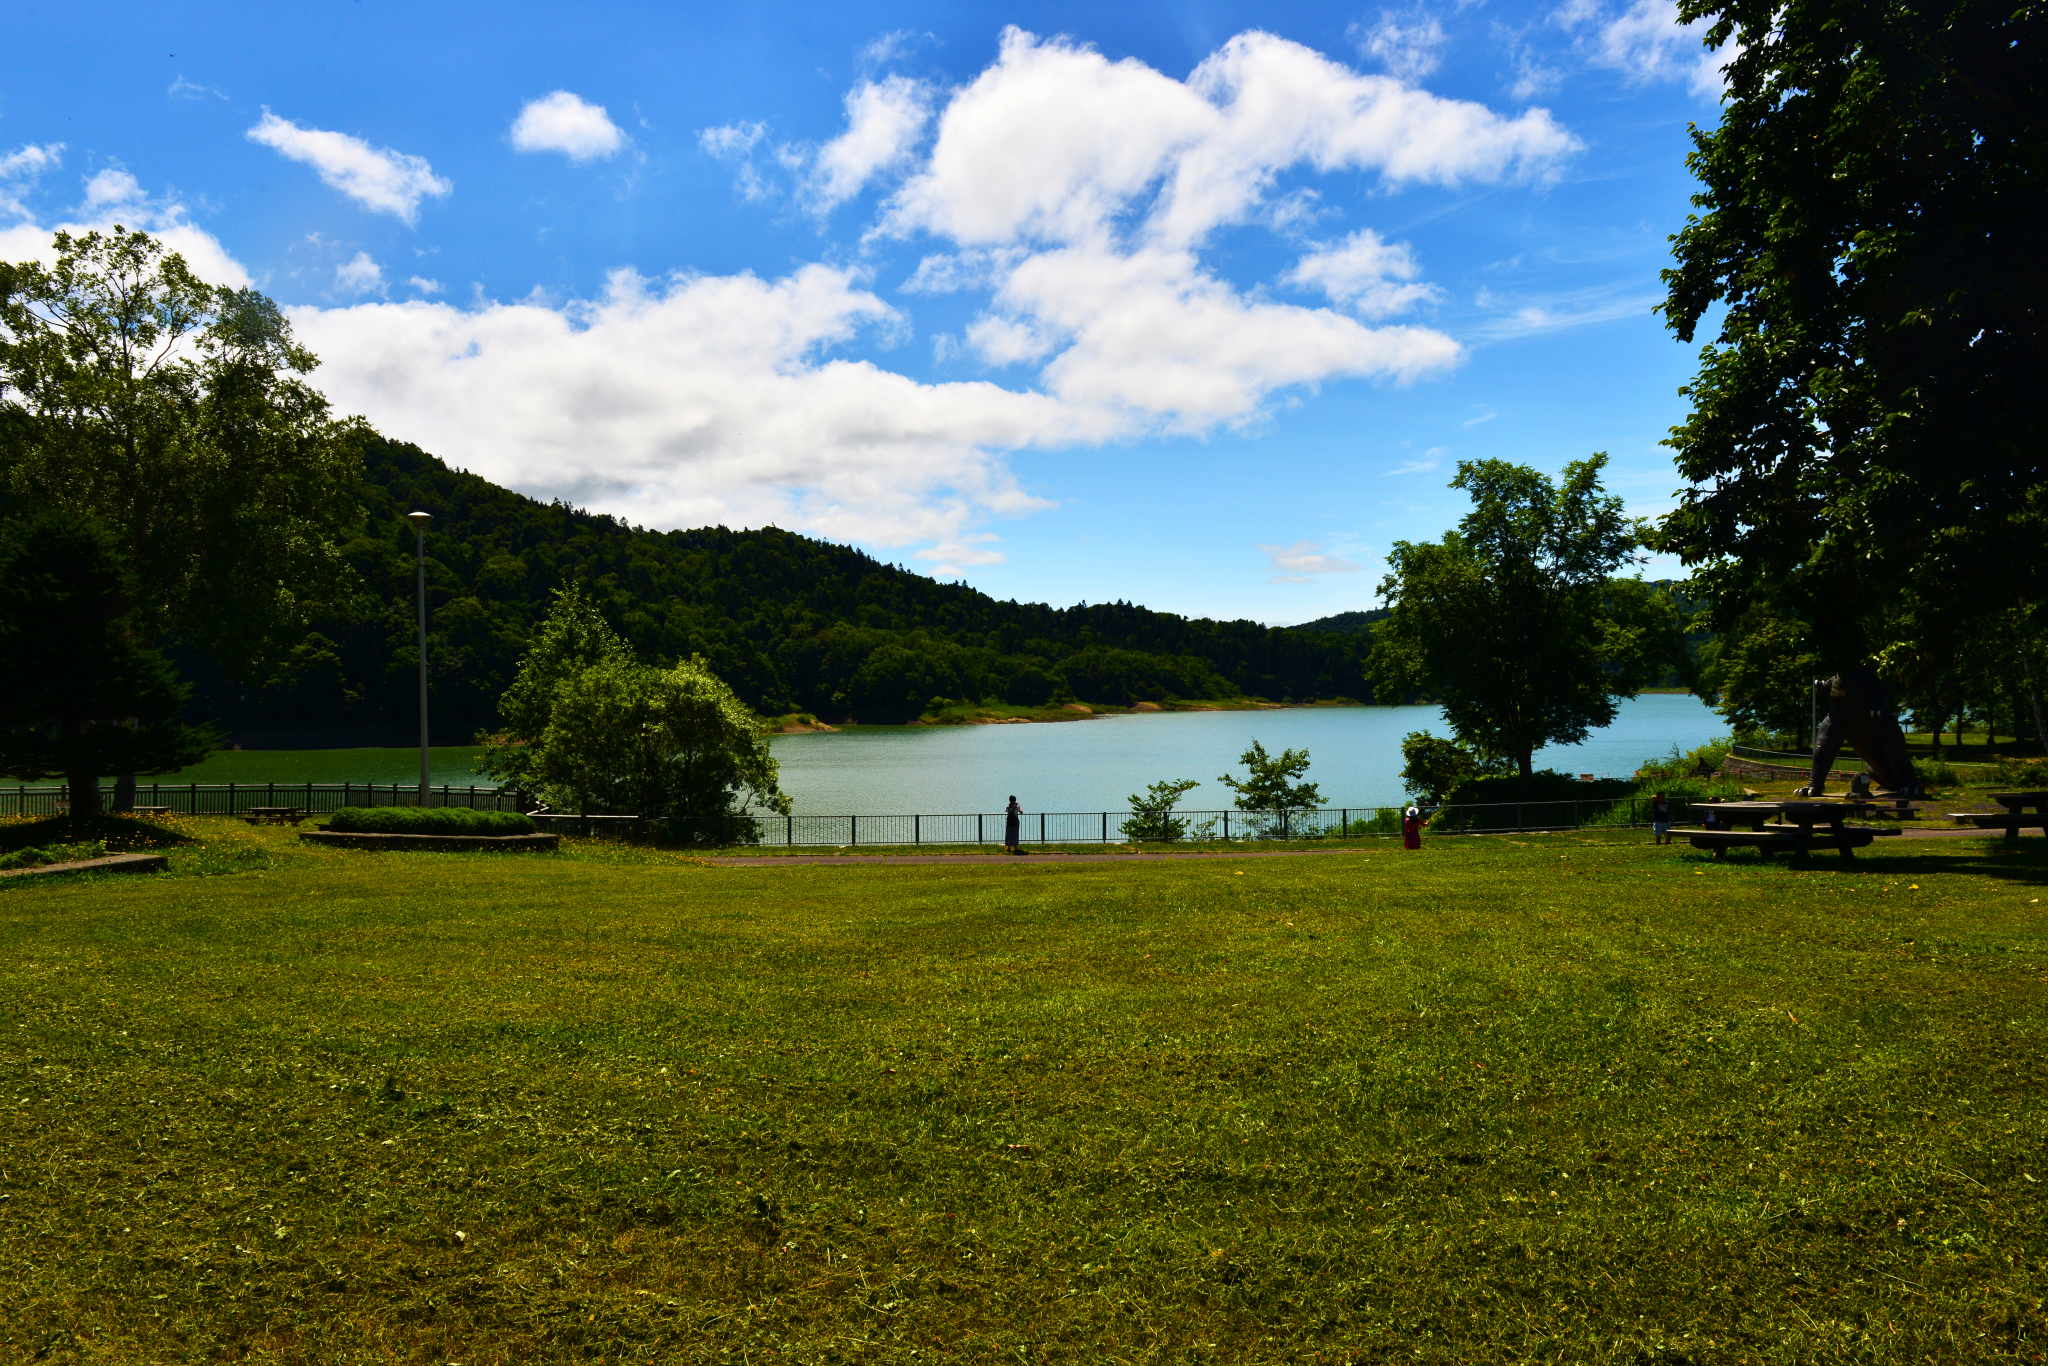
(1411, 828)
(1660, 819)
(1013, 825)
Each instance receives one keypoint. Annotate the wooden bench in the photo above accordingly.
(2015, 817)
(281, 815)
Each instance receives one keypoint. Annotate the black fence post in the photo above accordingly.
(855, 831)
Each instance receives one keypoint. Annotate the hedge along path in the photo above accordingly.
(1523, 1097)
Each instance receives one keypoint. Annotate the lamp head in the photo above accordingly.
(419, 521)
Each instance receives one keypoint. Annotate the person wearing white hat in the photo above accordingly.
(1411, 828)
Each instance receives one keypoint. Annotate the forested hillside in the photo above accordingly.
(793, 624)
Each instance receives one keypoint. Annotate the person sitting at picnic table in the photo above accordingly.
(1660, 819)
(1013, 825)
(1411, 828)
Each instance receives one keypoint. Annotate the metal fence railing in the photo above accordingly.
(232, 799)
(970, 828)
(1109, 827)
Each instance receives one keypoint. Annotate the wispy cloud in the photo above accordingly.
(358, 276)
(1408, 43)
(379, 179)
(1647, 43)
(19, 170)
(182, 89)
(1427, 461)
(1303, 562)
(1514, 318)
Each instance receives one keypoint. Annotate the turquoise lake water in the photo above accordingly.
(1354, 752)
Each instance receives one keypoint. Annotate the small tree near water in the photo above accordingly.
(1152, 815)
(1269, 792)
(674, 743)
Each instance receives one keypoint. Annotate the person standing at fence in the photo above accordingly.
(1013, 825)
(1411, 828)
(1660, 819)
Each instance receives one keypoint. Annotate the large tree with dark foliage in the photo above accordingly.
(176, 415)
(84, 695)
(1867, 435)
(1515, 621)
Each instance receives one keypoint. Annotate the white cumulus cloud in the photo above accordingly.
(1057, 143)
(379, 179)
(113, 198)
(883, 122)
(1371, 277)
(563, 122)
(1073, 196)
(693, 400)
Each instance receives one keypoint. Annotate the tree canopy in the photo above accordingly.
(1872, 249)
(176, 415)
(1515, 622)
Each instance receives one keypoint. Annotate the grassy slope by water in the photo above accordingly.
(452, 764)
(1567, 1097)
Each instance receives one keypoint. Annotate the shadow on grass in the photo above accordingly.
(120, 834)
(2027, 863)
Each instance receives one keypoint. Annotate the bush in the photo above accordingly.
(1678, 765)
(1152, 815)
(2023, 773)
(427, 820)
(27, 858)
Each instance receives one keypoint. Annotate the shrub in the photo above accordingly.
(427, 820)
(31, 857)
(1679, 764)
(2026, 773)
(1152, 815)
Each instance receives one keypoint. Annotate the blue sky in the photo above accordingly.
(1192, 305)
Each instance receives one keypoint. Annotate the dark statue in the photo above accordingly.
(1860, 715)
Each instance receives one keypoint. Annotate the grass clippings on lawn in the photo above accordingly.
(1553, 1098)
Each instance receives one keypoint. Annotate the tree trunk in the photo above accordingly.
(84, 791)
(2034, 696)
(124, 792)
(1522, 762)
(1935, 725)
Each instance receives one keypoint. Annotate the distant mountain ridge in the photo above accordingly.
(792, 623)
(1346, 623)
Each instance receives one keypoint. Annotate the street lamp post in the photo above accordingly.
(419, 522)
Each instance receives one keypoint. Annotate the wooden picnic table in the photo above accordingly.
(2015, 818)
(1786, 825)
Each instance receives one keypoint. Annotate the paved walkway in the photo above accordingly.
(1045, 860)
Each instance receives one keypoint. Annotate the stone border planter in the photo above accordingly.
(378, 840)
(112, 863)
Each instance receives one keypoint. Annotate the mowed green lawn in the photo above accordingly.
(1555, 1098)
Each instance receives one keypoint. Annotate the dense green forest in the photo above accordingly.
(793, 624)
